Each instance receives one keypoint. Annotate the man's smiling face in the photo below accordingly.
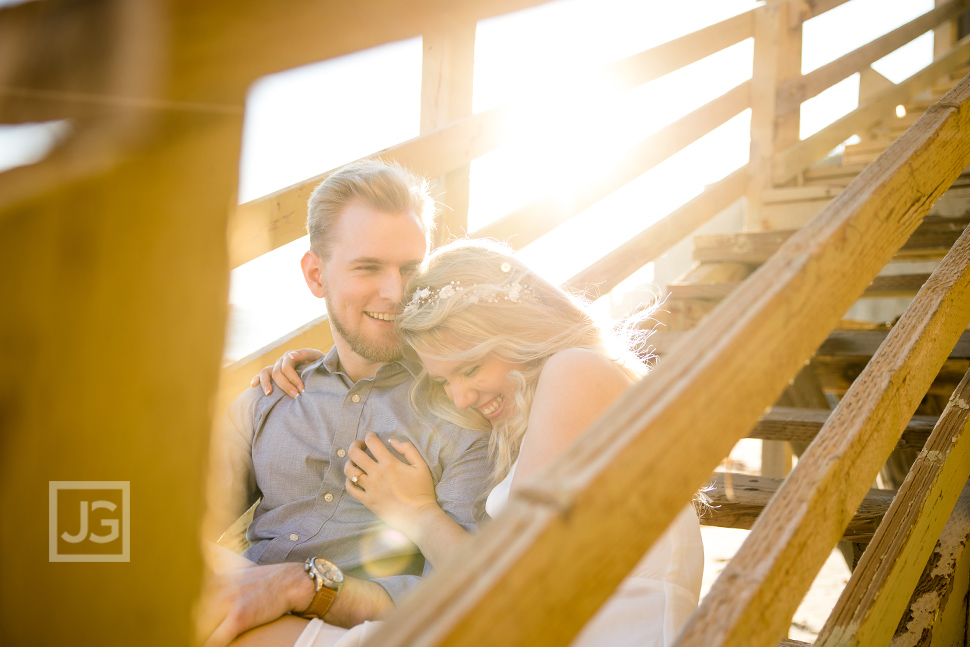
(372, 255)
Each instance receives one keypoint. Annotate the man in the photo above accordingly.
(369, 226)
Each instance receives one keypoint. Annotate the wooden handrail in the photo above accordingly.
(758, 592)
(515, 583)
(871, 604)
(793, 92)
(539, 217)
(654, 241)
(789, 163)
(261, 225)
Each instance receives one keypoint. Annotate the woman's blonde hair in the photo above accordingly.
(471, 299)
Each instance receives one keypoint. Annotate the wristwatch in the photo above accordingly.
(328, 580)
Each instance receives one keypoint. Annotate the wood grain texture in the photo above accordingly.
(894, 285)
(754, 599)
(937, 612)
(869, 609)
(738, 500)
(799, 425)
(515, 582)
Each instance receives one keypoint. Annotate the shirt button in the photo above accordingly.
(355, 398)
(328, 497)
(294, 537)
(341, 453)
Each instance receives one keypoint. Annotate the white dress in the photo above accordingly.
(648, 609)
(653, 603)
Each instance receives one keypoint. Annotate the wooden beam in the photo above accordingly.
(262, 225)
(794, 91)
(235, 378)
(789, 163)
(814, 8)
(869, 609)
(774, 127)
(937, 611)
(802, 425)
(668, 57)
(654, 241)
(944, 36)
(755, 597)
(447, 73)
(539, 217)
(738, 500)
(514, 582)
(931, 240)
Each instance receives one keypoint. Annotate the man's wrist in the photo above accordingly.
(300, 587)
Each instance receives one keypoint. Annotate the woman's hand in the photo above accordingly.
(400, 493)
(284, 372)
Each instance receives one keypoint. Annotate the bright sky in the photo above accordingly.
(306, 121)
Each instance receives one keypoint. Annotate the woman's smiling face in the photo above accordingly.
(482, 385)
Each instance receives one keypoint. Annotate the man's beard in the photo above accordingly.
(388, 351)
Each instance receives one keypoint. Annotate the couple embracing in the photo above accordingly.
(453, 380)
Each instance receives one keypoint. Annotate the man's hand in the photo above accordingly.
(238, 600)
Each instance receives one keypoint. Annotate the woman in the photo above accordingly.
(506, 352)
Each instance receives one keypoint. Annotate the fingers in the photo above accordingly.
(359, 456)
(377, 448)
(407, 450)
(265, 380)
(290, 362)
(282, 379)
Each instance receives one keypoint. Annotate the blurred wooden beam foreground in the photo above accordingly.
(115, 274)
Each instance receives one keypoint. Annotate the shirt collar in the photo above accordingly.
(409, 362)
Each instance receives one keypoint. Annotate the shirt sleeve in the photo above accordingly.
(464, 480)
(232, 483)
(399, 587)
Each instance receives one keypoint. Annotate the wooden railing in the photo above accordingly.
(515, 584)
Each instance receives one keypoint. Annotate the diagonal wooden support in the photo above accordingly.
(937, 611)
(869, 608)
(755, 597)
(536, 574)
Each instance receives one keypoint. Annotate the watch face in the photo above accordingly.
(328, 571)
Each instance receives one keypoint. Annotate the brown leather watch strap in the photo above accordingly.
(322, 602)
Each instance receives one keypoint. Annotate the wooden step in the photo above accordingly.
(802, 425)
(839, 343)
(889, 286)
(738, 499)
(931, 241)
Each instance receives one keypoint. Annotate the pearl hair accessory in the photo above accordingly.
(514, 293)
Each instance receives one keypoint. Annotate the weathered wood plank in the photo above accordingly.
(788, 164)
(839, 343)
(891, 285)
(753, 600)
(802, 425)
(542, 215)
(738, 500)
(647, 246)
(937, 612)
(447, 67)
(931, 239)
(793, 92)
(774, 128)
(869, 609)
(514, 582)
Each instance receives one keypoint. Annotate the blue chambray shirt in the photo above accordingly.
(292, 454)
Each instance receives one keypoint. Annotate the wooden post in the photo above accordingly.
(446, 96)
(777, 58)
(944, 36)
